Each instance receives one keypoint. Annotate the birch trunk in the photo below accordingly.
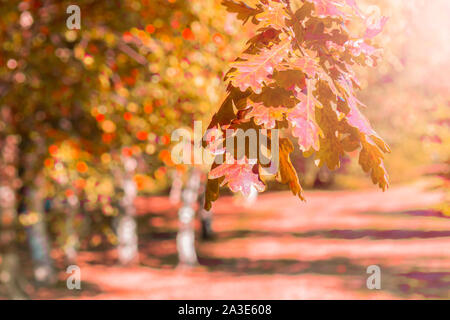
(72, 243)
(251, 198)
(127, 226)
(176, 188)
(207, 232)
(187, 255)
(33, 205)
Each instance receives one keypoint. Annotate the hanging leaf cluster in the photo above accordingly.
(297, 76)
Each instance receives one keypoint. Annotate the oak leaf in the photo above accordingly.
(254, 70)
(287, 174)
(239, 177)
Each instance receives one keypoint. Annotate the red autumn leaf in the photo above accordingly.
(253, 70)
(266, 116)
(239, 177)
(274, 15)
(243, 10)
(302, 119)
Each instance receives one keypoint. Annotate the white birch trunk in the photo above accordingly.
(127, 226)
(187, 255)
(37, 235)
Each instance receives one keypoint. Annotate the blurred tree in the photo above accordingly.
(158, 76)
(9, 183)
(130, 69)
(45, 89)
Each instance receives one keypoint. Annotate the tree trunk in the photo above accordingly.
(176, 188)
(251, 198)
(324, 178)
(72, 243)
(10, 274)
(127, 226)
(186, 234)
(207, 232)
(32, 206)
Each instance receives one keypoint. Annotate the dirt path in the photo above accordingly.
(280, 248)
